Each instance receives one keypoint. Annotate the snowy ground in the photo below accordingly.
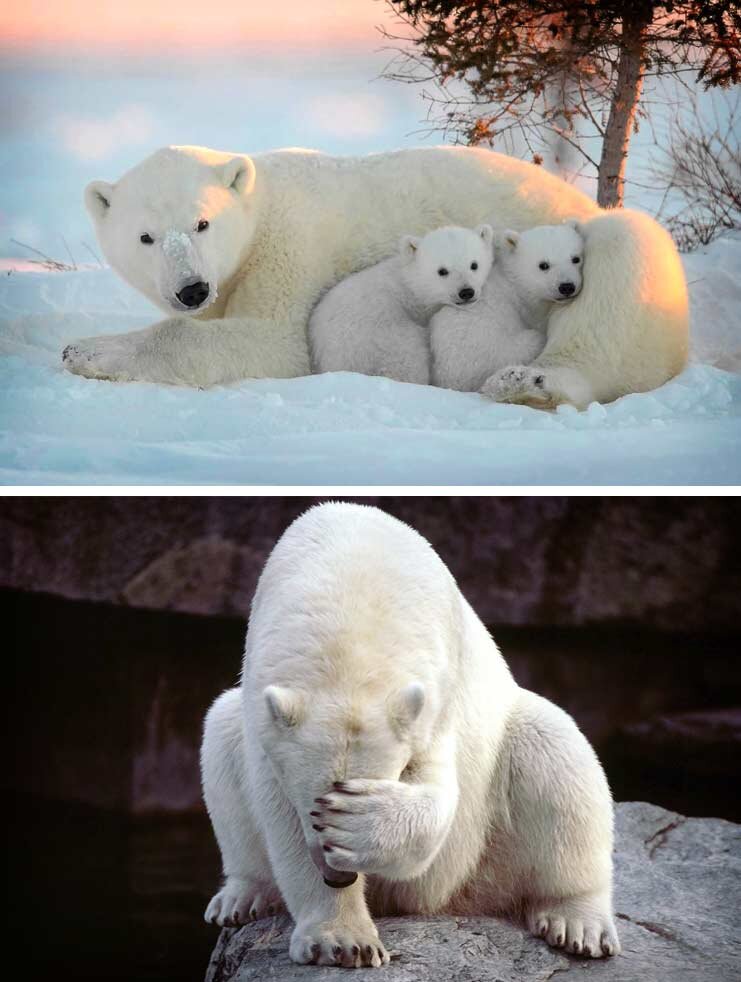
(57, 428)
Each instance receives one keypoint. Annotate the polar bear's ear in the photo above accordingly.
(285, 706)
(575, 224)
(409, 703)
(486, 232)
(508, 239)
(238, 174)
(408, 245)
(98, 198)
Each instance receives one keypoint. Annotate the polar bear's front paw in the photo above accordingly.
(576, 928)
(336, 943)
(372, 827)
(107, 357)
(521, 384)
(242, 900)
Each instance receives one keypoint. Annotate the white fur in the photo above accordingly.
(625, 332)
(292, 223)
(460, 792)
(510, 321)
(375, 321)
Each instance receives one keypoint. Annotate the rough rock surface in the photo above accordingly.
(677, 897)
(669, 563)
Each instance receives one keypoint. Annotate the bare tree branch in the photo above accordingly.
(701, 170)
(537, 69)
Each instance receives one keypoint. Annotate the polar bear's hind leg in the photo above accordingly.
(560, 830)
(249, 890)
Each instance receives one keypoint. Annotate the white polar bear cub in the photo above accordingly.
(375, 321)
(378, 756)
(532, 272)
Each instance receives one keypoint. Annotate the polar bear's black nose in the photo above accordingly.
(566, 289)
(467, 293)
(193, 294)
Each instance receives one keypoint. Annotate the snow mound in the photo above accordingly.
(714, 278)
(57, 428)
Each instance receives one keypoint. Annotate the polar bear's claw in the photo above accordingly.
(556, 935)
(343, 860)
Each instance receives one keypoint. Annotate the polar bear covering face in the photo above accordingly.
(375, 321)
(378, 756)
(256, 240)
(533, 272)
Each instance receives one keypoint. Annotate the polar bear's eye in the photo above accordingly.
(544, 266)
(202, 225)
(575, 259)
(146, 239)
(474, 265)
(442, 271)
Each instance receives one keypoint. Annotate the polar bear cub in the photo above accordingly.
(379, 756)
(533, 271)
(375, 321)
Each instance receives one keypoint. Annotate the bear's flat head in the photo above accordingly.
(178, 225)
(545, 262)
(314, 740)
(447, 266)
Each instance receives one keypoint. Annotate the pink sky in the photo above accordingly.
(141, 25)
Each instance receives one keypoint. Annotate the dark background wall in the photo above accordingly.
(669, 563)
(128, 617)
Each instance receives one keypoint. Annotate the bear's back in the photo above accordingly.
(350, 577)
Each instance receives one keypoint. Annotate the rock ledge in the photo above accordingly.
(677, 898)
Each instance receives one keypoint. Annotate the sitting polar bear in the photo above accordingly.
(379, 756)
(237, 250)
(375, 321)
(533, 272)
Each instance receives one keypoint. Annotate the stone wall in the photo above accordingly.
(669, 563)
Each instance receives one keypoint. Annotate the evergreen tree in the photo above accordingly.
(541, 66)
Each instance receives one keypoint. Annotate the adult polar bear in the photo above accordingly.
(378, 731)
(270, 233)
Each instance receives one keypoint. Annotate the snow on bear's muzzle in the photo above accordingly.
(184, 280)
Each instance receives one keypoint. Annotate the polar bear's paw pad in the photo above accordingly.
(80, 356)
(577, 932)
(240, 901)
(519, 384)
(106, 358)
(339, 945)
